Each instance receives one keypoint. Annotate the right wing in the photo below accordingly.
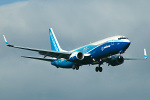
(56, 54)
(108, 59)
(145, 57)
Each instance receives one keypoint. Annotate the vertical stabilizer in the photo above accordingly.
(53, 40)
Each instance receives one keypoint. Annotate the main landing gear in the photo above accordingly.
(75, 67)
(100, 69)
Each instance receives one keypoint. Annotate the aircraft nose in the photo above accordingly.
(128, 43)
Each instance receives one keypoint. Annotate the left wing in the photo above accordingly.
(44, 59)
(56, 54)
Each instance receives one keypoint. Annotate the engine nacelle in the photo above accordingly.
(76, 56)
(116, 60)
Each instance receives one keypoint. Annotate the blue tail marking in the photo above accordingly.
(54, 43)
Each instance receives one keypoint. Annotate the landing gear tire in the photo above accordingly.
(100, 69)
(97, 69)
(77, 67)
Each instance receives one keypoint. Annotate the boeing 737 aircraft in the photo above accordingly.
(108, 50)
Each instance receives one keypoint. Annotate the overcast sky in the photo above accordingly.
(75, 23)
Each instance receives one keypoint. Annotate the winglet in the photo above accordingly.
(5, 40)
(145, 55)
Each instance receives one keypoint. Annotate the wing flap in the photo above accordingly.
(133, 59)
(44, 59)
(45, 52)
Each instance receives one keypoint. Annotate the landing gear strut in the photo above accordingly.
(100, 69)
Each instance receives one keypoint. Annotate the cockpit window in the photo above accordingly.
(122, 38)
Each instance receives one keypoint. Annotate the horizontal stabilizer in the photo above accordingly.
(44, 59)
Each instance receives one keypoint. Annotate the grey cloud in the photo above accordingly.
(75, 24)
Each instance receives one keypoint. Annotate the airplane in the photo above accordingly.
(108, 50)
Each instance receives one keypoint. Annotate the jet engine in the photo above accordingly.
(116, 60)
(76, 56)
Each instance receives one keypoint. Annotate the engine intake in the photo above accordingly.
(116, 60)
(76, 56)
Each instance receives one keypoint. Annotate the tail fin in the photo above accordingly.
(53, 40)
